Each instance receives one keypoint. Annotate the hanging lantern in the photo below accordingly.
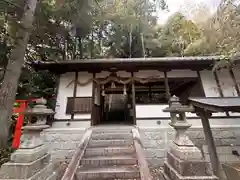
(103, 91)
(124, 89)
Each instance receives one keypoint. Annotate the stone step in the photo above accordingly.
(52, 177)
(99, 161)
(108, 172)
(109, 151)
(112, 129)
(103, 131)
(110, 136)
(110, 143)
(118, 179)
(46, 173)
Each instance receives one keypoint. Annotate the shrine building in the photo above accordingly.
(94, 92)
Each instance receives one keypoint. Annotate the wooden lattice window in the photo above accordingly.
(79, 105)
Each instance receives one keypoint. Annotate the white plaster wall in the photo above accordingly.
(148, 73)
(196, 123)
(226, 83)
(225, 80)
(64, 92)
(209, 84)
(73, 124)
(102, 74)
(84, 91)
(124, 74)
(105, 74)
(152, 111)
(170, 74)
(181, 73)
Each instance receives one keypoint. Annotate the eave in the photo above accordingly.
(133, 64)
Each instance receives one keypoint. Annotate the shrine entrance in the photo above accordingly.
(117, 104)
(113, 102)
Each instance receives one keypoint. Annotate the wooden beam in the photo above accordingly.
(219, 87)
(216, 166)
(133, 100)
(74, 93)
(218, 84)
(200, 82)
(93, 114)
(234, 81)
(168, 94)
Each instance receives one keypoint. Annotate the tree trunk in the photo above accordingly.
(10, 82)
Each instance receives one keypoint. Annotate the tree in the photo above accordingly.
(13, 70)
(220, 33)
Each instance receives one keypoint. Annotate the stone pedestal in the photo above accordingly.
(32, 160)
(184, 159)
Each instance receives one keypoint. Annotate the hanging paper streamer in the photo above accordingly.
(111, 96)
(124, 89)
(103, 90)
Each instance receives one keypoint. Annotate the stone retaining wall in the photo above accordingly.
(156, 142)
(62, 143)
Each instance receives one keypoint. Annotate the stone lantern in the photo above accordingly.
(31, 136)
(184, 159)
(31, 160)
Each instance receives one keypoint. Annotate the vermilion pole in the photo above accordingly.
(20, 121)
(19, 124)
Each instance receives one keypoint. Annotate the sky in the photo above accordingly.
(184, 5)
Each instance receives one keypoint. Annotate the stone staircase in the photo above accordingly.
(110, 154)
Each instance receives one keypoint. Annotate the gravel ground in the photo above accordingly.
(156, 173)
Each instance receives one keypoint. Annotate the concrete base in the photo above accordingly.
(39, 169)
(31, 161)
(189, 168)
(171, 173)
(28, 155)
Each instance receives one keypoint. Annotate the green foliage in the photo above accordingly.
(6, 152)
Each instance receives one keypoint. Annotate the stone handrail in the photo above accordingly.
(142, 163)
(232, 171)
(74, 163)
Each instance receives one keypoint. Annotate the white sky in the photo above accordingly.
(183, 5)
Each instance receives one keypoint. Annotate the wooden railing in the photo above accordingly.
(74, 163)
(142, 162)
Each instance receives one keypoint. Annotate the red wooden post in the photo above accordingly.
(20, 121)
(19, 124)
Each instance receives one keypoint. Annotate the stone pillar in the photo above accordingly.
(184, 159)
(32, 160)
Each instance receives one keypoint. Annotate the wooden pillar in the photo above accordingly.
(219, 87)
(216, 166)
(167, 89)
(74, 95)
(133, 100)
(93, 114)
(201, 83)
(218, 83)
(234, 81)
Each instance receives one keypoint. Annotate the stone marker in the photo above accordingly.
(184, 159)
(32, 160)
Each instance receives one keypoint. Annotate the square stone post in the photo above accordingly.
(184, 159)
(32, 160)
